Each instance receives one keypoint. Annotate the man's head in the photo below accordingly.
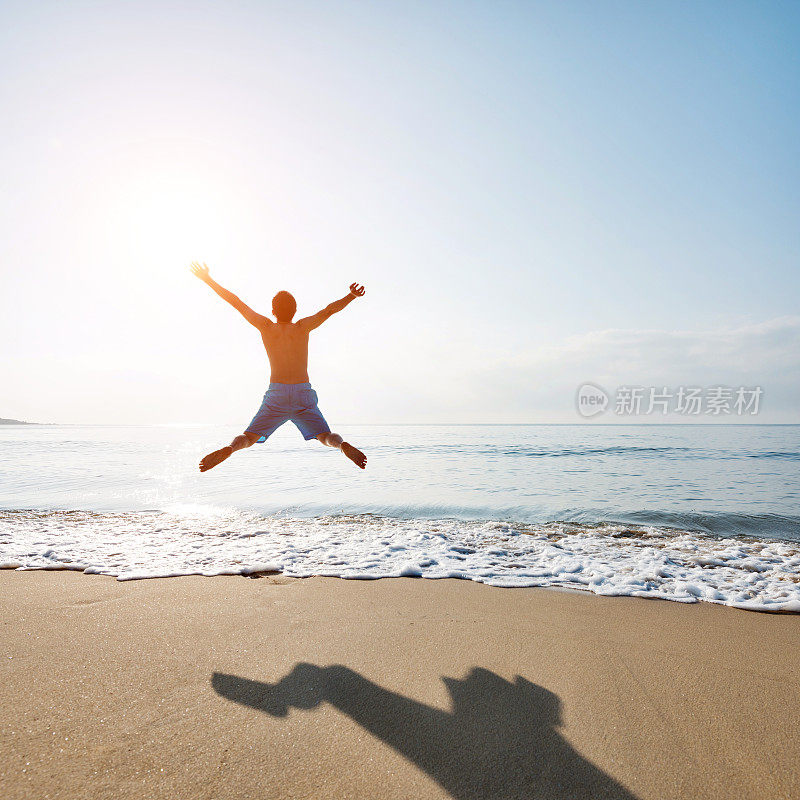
(284, 306)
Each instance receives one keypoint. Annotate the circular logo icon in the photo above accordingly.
(591, 400)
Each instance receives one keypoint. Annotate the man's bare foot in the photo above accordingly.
(354, 454)
(217, 457)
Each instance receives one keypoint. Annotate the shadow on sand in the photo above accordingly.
(500, 740)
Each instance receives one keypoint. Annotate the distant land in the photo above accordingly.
(15, 422)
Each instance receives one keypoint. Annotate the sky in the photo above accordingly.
(535, 195)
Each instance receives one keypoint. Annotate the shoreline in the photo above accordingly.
(257, 574)
(330, 688)
(608, 560)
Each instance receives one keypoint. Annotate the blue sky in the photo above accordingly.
(534, 194)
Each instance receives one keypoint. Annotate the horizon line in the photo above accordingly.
(588, 424)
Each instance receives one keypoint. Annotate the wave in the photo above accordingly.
(530, 451)
(789, 455)
(720, 524)
(605, 558)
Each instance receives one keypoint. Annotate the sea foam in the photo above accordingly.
(606, 559)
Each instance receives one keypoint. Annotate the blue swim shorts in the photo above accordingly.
(288, 401)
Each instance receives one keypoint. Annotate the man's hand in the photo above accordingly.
(200, 270)
(356, 290)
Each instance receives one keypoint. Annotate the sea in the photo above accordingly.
(686, 513)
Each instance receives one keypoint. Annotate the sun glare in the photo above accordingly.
(167, 216)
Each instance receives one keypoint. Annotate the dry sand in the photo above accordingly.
(324, 688)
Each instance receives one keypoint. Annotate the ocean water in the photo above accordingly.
(684, 513)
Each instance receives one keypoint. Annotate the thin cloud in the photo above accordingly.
(539, 384)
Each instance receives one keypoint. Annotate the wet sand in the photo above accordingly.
(323, 688)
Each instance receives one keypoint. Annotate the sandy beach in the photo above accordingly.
(233, 687)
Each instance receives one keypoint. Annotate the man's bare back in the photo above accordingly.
(286, 344)
(290, 396)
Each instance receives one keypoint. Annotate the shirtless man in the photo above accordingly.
(290, 396)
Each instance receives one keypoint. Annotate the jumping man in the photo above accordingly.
(290, 396)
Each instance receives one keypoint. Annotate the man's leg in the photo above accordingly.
(334, 440)
(218, 456)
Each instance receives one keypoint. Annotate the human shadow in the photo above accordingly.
(500, 740)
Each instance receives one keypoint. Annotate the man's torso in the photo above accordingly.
(286, 344)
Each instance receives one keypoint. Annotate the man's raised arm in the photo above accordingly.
(314, 321)
(201, 271)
